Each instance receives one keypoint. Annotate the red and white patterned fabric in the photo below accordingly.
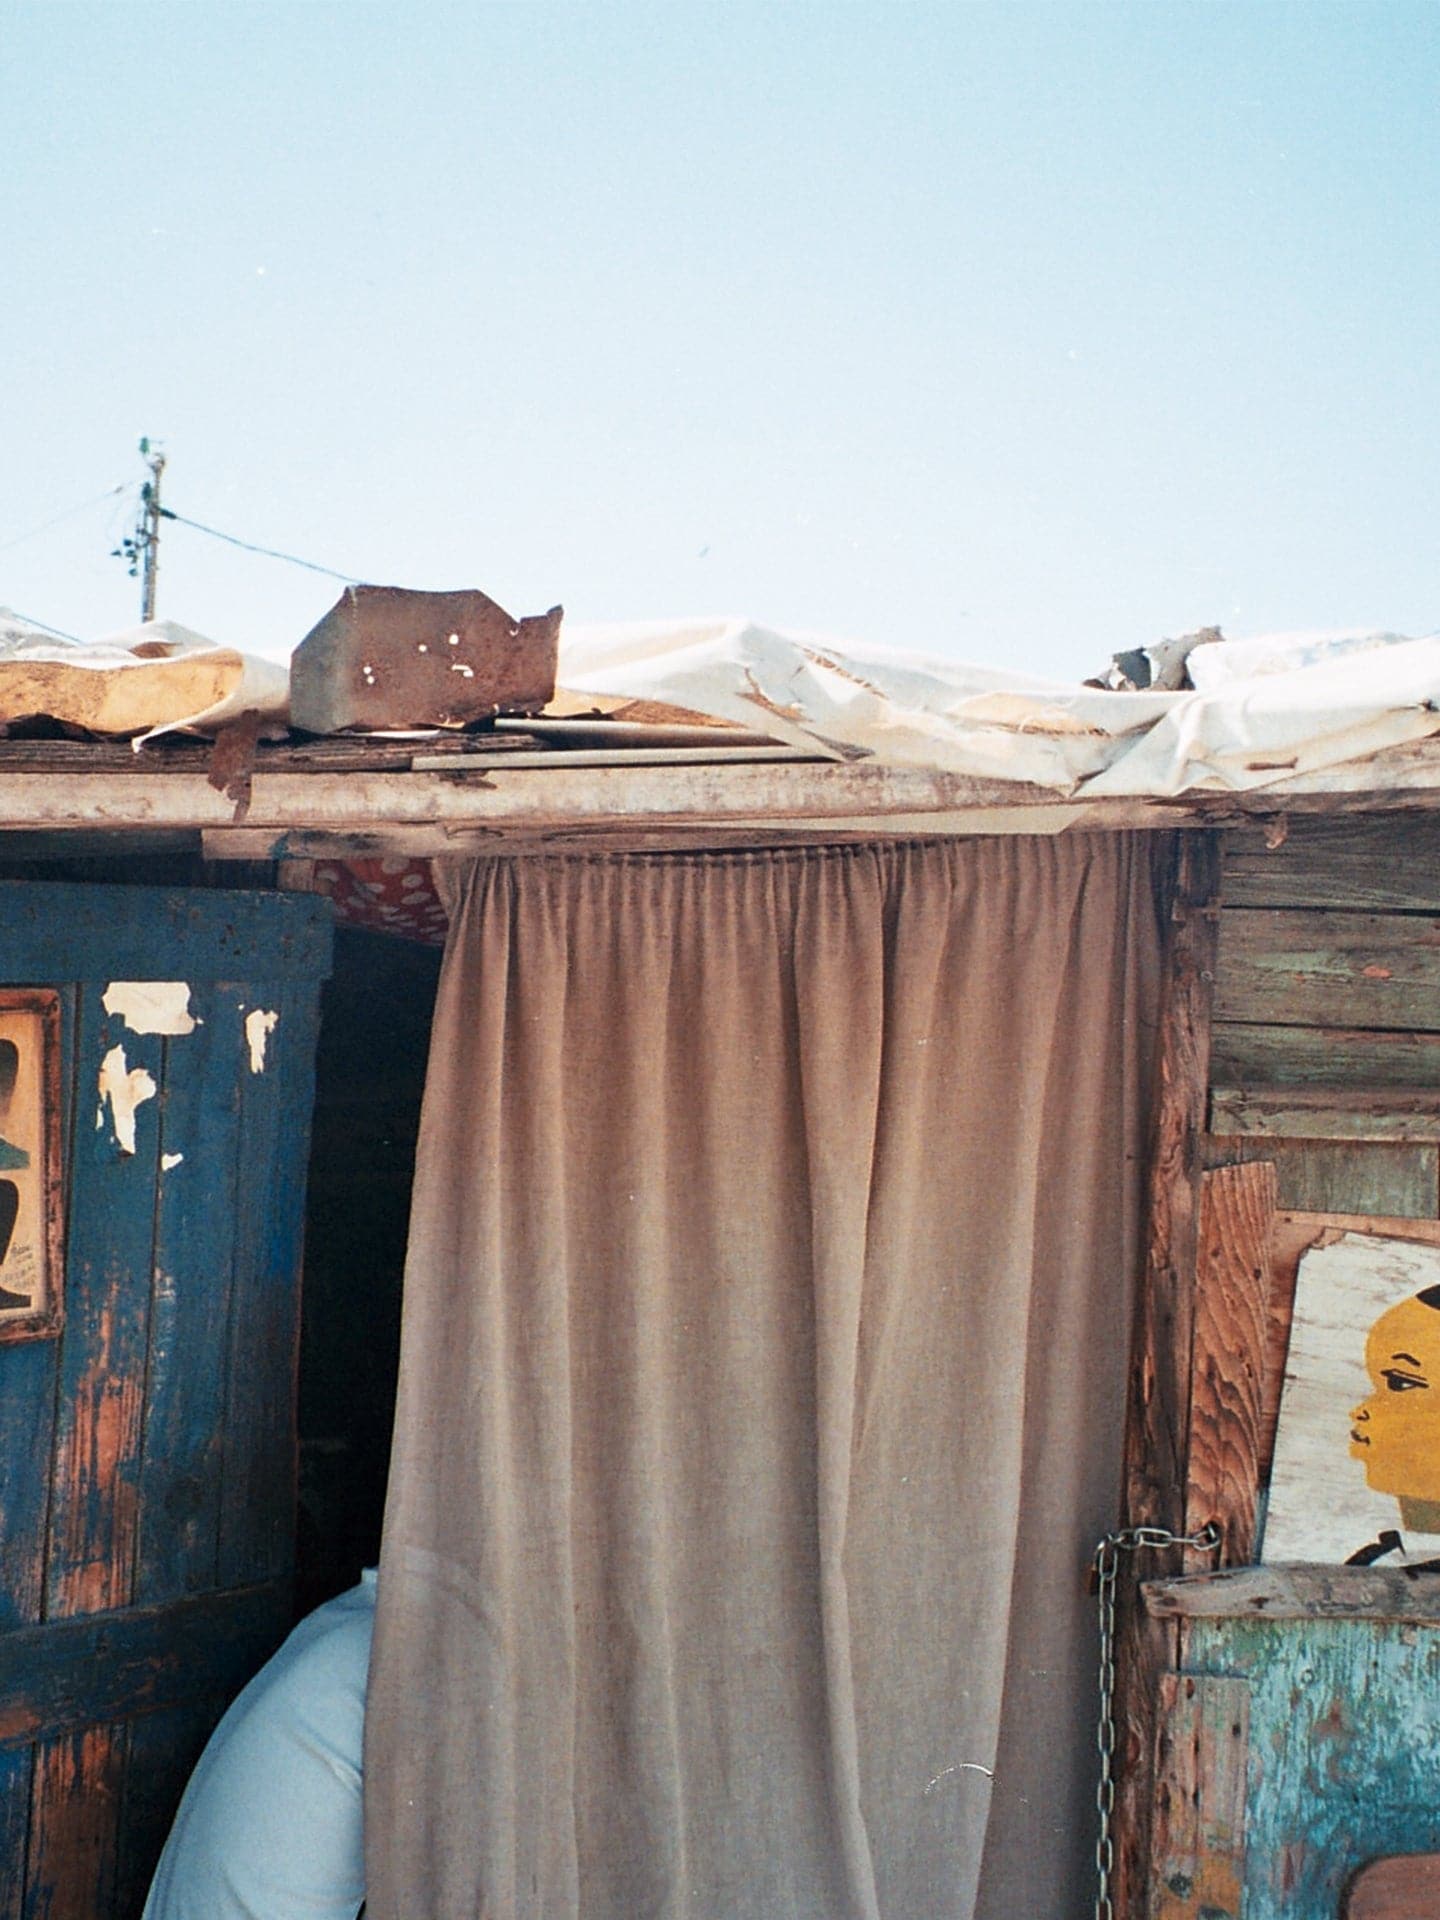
(389, 895)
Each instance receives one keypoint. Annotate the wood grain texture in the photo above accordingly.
(1232, 1300)
(1320, 968)
(1254, 1056)
(1327, 1113)
(1299, 1593)
(1202, 1748)
(1157, 1414)
(1386, 862)
(73, 1823)
(1404, 1887)
(1396, 1178)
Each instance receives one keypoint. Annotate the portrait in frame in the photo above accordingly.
(1356, 1476)
(32, 1293)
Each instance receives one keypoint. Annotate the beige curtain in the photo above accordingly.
(766, 1311)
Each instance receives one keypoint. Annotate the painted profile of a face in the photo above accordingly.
(1396, 1431)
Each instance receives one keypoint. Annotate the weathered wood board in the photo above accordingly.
(1254, 1056)
(1157, 1418)
(143, 1461)
(1344, 1751)
(1325, 1064)
(1319, 968)
(1327, 1113)
(1378, 862)
(1392, 1596)
(1200, 1785)
(1393, 1178)
(1227, 1394)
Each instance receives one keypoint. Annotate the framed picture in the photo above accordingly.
(1356, 1478)
(32, 1290)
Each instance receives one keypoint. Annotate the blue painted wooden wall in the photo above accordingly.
(147, 1454)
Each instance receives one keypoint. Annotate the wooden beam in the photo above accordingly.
(1299, 1593)
(487, 794)
(1158, 1412)
(64, 1675)
(556, 793)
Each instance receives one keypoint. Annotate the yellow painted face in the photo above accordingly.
(1397, 1430)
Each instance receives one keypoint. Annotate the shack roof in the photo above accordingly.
(705, 732)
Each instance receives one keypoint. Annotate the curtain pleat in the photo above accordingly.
(772, 1251)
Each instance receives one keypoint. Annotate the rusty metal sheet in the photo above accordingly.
(391, 657)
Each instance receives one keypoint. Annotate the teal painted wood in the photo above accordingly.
(200, 1144)
(1344, 1751)
(51, 933)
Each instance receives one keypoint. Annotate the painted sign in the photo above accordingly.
(1356, 1477)
(30, 1289)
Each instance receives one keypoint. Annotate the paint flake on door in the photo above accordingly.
(125, 1088)
(151, 1006)
(259, 1026)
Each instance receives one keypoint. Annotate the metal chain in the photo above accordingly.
(1106, 1565)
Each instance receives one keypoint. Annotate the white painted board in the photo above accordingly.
(1357, 1449)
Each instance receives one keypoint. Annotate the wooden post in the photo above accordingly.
(1158, 1413)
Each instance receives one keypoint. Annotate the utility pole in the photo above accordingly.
(149, 531)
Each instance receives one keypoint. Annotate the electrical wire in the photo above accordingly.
(66, 513)
(249, 546)
(31, 621)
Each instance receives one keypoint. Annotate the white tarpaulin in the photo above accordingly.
(1264, 710)
(148, 680)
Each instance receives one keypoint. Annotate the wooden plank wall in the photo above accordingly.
(1323, 1044)
(1326, 1042)
(148, 1481)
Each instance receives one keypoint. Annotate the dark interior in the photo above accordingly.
(370, 1074)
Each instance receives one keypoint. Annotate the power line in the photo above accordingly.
(249, 546)
(31, 621)
(66, 513)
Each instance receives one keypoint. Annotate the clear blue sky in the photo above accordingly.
(1016, 333)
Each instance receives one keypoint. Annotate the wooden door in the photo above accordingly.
(147, 1444)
